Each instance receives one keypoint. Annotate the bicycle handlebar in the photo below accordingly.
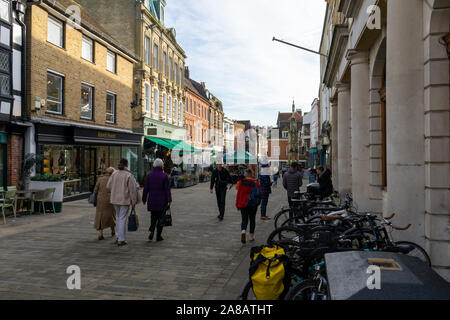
(400, 228)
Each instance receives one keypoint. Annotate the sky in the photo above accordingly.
(229, 47)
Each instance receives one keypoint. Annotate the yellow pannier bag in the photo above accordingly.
(268, 272)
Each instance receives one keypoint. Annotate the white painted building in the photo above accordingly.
(388, 78)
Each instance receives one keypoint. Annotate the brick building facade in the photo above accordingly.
(80, 84)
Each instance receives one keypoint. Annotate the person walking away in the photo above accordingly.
(275, 177)
(220, 179)
(266, 184)
(158, 197)
(312, 175)
(292, 181)
(325, 182)
(105, 215)
(123, 187)
(175, 174)
(247, 202)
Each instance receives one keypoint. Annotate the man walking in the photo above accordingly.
(265, 183)
(292, 181)
(124, 194)
(220, 178)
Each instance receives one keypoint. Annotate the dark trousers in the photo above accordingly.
(156, 222)
(247, 214)
(264, 202)
(221, 194)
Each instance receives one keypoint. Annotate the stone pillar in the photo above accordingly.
(344, 139)
(405, 118)
(359, 101)
(334, 143)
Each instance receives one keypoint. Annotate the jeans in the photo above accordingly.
(264, 202)
(156, 222)
(175, 181)
(275, 180)
(121, 221)
(221, 194)
(249, 213)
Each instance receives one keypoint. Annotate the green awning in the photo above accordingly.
(3, 138)
(173, 144)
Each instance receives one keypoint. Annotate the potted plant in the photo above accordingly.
(47, 181)
(29, 162)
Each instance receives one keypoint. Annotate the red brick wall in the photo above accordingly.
(15, 155)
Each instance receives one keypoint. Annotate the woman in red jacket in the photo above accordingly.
(247, 202)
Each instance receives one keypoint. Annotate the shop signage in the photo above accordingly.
(106, 135)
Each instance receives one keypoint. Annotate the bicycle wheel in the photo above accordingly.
(418, 251)
(280, 217)
(287, 236)
(307, 290)
(247, 292)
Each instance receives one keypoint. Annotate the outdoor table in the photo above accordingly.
(33, 192)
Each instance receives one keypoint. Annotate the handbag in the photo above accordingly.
(93, 199)
(167, 218)
(133, 221)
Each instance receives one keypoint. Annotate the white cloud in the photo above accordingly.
(229, 46)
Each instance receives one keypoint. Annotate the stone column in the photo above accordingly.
(405, 118)
(360, 127)
(344, 139)
(334, 142)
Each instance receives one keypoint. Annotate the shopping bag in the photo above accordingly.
(167, 218)
(93, 199)
(133, 221)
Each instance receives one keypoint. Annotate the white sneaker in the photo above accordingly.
(251, 237)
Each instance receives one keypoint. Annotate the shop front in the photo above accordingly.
(80, 156)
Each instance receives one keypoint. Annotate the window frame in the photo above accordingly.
(114, 114)
(8, 51)
(9, 12)
(85, 39)
(155, 112)
(147, 43)
(164, 63)
(63, 31)
(92, 94)
(109, 53)
(61, 93)
(155, 56)
(148, 99)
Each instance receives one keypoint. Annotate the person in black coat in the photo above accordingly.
(324, 179)
(266, 184)
(221, 178)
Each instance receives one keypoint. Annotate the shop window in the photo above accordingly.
(87, 99)
(55, 88)
(110, 108)
(55, 32)
(131, 154)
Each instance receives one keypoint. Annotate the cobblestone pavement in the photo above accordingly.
(200, 258)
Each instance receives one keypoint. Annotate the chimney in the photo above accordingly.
(186, 72)
(204, 85)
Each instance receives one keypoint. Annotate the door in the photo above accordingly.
(88, 168)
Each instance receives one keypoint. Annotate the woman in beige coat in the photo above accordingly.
(105, 216)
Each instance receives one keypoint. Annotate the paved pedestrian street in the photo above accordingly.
(200, 258)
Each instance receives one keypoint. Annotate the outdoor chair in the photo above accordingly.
(8, 201)
(19, 199)
(46, 196)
